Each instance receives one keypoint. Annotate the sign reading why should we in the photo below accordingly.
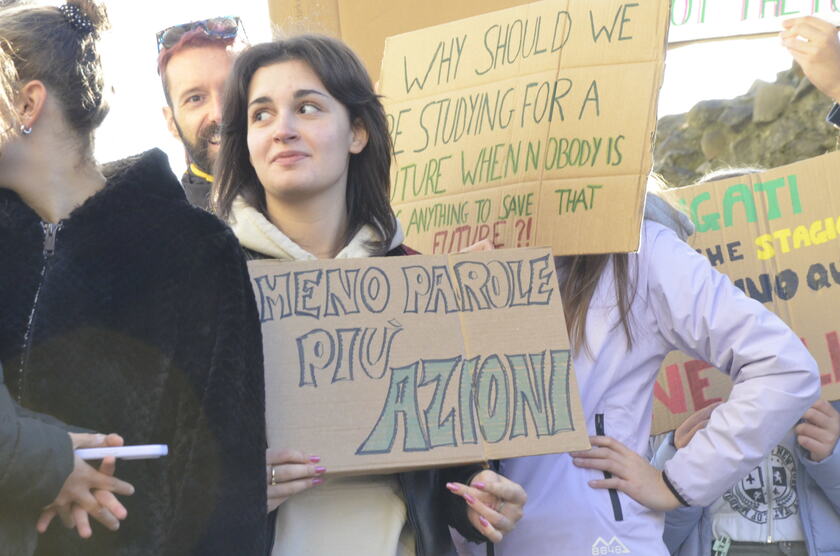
(696, 20)
(777, 236)
(395, 363)
(527, 126)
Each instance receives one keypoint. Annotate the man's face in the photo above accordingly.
(196, 78)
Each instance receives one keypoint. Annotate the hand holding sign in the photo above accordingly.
(289, 472)
(814, 45)
(494, 503)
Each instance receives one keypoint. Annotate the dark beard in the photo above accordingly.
(199, 152)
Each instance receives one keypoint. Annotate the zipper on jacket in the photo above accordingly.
(50, 233)
(768, 481)
(618, 514)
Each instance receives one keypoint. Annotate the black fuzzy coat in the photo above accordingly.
(145, 325)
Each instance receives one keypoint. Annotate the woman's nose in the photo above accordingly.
(285, 128)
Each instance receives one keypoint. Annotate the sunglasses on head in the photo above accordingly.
(221, 28)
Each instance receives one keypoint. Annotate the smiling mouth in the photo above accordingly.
(215, 139)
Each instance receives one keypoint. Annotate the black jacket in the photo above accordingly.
(137, 316)
(197, 189)
(432, 509)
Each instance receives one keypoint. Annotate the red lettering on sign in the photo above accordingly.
(675, 402)
(696, 383)
(834, 352)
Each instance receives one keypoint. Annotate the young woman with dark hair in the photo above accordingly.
(302, 174)
(365, 196)
(123, 308)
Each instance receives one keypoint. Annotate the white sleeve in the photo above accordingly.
(700, 312)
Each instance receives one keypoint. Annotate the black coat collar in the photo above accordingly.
(145, 177)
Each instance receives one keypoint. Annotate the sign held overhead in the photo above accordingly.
(698, 20)
(528, 126)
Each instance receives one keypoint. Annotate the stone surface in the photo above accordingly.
(736, 115)
(714, 143)
(770, 101)
(771, 125)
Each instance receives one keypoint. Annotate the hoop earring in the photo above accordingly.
(25, 130)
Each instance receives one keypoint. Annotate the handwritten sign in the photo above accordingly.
(396, 363)
(777, 236)
(696, 20)
(528, 126)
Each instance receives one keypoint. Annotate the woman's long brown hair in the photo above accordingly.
(581, 274)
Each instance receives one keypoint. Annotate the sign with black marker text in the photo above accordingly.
(395, 363)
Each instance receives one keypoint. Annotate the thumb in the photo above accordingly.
(85, 440)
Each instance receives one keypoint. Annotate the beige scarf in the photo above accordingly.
(256, 232)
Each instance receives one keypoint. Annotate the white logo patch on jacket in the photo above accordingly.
(604, 548)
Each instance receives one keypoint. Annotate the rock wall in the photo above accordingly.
(771, 125)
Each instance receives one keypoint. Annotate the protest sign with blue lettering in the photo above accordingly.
(387, 364)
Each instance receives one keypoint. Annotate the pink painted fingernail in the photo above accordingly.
(469, 499)
(315, 459)
(320, 470)
(453, 487)
(478, 484)
(317, 481)
(483, 521)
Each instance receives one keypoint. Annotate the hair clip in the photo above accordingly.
(77, 19)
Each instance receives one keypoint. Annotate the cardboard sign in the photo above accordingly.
(365, 24)
(387, 364)
(528, 126)
(777, 236)
(697, 20)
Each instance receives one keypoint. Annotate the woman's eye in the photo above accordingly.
(309, 108)
(260, 116)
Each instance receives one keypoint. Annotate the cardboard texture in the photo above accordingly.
(698, 20)
(777, 236)
(528, 126)
(306, 16)
(388, 364)
(364, 24)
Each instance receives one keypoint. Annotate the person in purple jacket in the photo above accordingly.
(787, 505)
(625, 313)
